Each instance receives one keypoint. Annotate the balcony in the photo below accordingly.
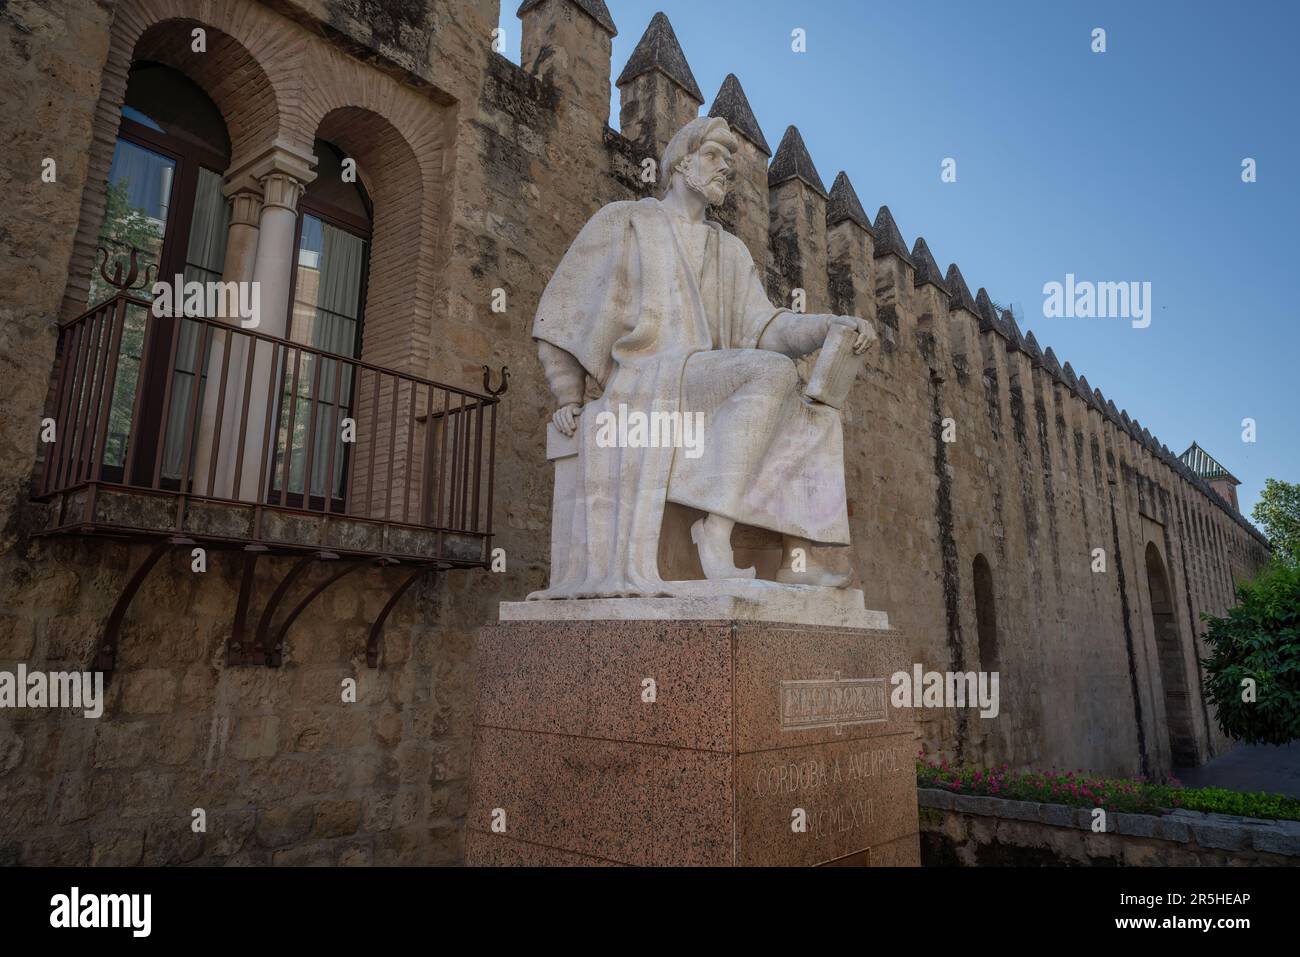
(192, 431)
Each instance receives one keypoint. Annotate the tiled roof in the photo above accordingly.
(1203, 464)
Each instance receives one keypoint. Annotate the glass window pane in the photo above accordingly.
(206, 253)
(136, 210)
(326, 316)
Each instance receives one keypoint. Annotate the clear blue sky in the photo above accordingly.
(1124, 165)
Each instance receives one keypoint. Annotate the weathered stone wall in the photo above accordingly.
(288, 772)
(963, 830)
(285, 769)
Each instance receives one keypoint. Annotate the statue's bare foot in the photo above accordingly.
(811, 572)
(712, 536)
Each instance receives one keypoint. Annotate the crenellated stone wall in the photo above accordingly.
(1043, 469)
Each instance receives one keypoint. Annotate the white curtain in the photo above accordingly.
(204, 260)
(333, 328)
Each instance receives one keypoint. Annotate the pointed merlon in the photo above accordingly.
(1052, 366)
(1071, 379)
(1112, 412)
(1085, 393)
(959, 291)
(927, 270)
(793, 162)
(659, 50)
(844, 204)
(733, 106)
(888, 238)
(1148, 441)
(595, 9)
(1015, 341)
(1031, 348)
(987, 313)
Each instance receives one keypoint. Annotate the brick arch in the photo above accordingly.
(252, 71)
(390, 172)
(399, 139)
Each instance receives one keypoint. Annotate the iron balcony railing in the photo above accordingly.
(204, 410)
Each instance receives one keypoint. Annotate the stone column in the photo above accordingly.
(272, 268)
(265, 191)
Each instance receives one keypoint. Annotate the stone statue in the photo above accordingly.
(657, 315)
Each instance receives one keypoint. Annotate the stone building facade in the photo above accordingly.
(476, 176)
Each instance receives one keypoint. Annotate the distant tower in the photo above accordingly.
(1221, 480)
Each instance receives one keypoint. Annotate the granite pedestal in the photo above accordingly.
(689, 742)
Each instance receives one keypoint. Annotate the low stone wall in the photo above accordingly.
(968, 830)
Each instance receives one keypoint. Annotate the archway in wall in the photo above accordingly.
(1173, 670)
(377, 215)
(164, 200)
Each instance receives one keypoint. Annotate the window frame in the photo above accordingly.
(155, 352)
(362, 229)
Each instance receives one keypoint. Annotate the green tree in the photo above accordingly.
(124, 227)
(1253, 673)
(1278, 514)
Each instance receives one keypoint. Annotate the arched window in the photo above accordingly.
(164, 198)
(329, 284)
(986, 615)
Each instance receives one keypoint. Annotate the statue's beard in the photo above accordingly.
(714, 190)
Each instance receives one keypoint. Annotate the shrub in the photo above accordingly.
(1258, 642)
(1079, 789)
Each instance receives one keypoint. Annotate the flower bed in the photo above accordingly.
(1079, 789)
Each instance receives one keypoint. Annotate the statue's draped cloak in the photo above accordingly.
(628, 303)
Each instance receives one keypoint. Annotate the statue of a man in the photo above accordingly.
(657, 309)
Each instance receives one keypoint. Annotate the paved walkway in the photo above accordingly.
(1250, 767)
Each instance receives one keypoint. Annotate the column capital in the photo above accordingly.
(281, 160)
(245, 206)
(282, 190)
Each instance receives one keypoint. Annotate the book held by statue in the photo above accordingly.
(836, 369)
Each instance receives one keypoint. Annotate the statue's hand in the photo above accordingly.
(565, 418)
(866, 335)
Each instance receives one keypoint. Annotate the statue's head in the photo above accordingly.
(700, 156)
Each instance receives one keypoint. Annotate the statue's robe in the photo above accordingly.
(666, 316)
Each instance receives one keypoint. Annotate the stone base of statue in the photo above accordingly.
(689, 739)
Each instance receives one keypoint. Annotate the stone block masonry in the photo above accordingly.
(967, 830)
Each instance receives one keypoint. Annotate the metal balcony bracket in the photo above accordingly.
(276, 654)
(240, 649)
(266, 645)
(377, 629)
(106, 653)
(261, 648)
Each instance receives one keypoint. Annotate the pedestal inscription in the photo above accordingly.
(683, 743)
